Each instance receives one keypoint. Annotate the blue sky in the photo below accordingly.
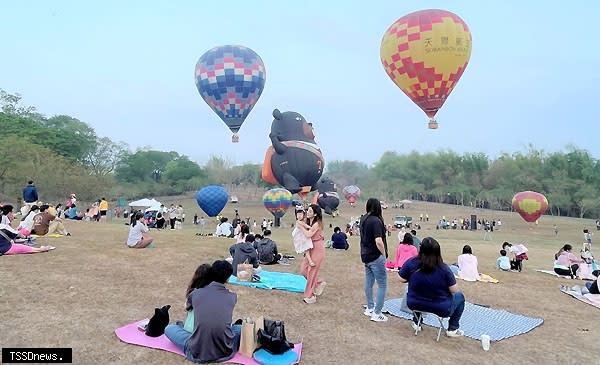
(127, 69)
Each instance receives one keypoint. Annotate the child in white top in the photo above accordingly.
(301, 242)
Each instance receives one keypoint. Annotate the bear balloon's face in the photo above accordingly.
(326, 185)
(291, 126)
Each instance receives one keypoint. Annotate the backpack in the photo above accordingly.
(158, 322)
(265, 251)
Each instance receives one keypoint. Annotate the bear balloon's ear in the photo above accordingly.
(277, 114)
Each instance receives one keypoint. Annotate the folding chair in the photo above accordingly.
(420, 315)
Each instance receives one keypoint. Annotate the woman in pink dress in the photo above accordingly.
(313, 228)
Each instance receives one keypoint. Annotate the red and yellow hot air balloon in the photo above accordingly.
(530, 205)
(425, 53)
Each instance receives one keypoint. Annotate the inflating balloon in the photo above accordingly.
(425, 53)
(351, 193)
(277, 201)
(294, 160)
(328, 198)
(212, 199)
(530, 205)
(230, 79)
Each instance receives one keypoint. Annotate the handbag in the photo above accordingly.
(158, 322)
(272, 337)
(244, 271)
(249, 335)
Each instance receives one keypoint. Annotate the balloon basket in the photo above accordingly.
(433, 124)
(235, 138)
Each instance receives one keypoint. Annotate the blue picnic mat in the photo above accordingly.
(275, 280)
(477, 320)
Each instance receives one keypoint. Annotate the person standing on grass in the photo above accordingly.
(373, 253)
(313, 228)
(30, 197)
(103, 209)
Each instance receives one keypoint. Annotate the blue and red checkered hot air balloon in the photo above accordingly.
(230, 79)
(212, 199)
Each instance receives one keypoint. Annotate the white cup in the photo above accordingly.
(485, 342)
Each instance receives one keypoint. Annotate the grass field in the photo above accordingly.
(91, 284)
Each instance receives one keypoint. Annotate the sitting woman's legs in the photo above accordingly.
(574, 269)
(17, 249)
(237, 330)
(563, 272)
(145, 242)
(456, 311)
(178, 335)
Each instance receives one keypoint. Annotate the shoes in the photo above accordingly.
(378, 317)
(456, 333)
(415, 327)
(283, 261)
(68, 234)
(310, 300)
(319, 289)
(368, 312)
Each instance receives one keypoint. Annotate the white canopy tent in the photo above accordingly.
(154, 208)
(144, 203)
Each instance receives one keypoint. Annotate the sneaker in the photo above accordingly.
(319, 289)
(368, 312)
(378, 317)
(415, 327)
(456, 333)
(283, 261)
(310, 300)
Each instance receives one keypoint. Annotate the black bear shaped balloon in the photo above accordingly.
(294, 160)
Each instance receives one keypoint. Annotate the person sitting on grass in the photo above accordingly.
(267, 249)
(244, 252)
(502, 262)
(214, 338)
(26, 225)
(45, 223)
(405, 250)
(432, 287)
(200, 279)
(339, 239)
(8, 234)
(138, 233)
(566, 262)
(467, 265)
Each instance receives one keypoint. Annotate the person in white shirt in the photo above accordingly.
(224, 229)
(138, 237)
(467, 265)
(26, 224)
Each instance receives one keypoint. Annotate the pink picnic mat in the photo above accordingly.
(132, 335)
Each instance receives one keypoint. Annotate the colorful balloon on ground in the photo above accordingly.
(293, 160)
(277, 201)
(351, 193)
(425, 53)
(530, 205)
(328, 198)
(230, 79)
(212, 199)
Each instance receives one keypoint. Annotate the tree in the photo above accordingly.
(10, 104)
(105, 156)
(139, 166)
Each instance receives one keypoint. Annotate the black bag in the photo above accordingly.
(272, 338)
(158, 322)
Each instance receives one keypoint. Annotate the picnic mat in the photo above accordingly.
(551, 272)
(484, 278)
(591, 299)
(51, 235)
(132, 335)
(477, 320)
(275, 280)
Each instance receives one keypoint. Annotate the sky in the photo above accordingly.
(127, 69)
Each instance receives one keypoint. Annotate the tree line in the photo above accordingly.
(63, 154)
